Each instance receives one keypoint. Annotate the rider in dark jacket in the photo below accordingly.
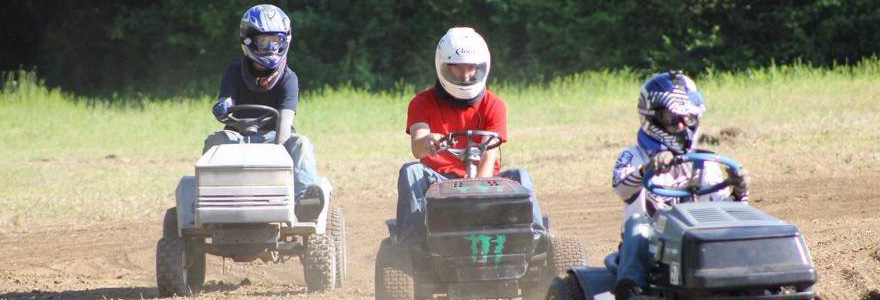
(262, 77)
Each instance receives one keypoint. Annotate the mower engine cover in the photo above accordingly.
(479, 229)
(245, 183)
(728, 245)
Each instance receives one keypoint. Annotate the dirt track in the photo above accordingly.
(116, 261)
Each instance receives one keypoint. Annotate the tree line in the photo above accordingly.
(173, 47)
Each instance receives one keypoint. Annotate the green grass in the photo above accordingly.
(61, 155)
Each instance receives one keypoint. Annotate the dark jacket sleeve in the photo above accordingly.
(228, 84)
(290, 93)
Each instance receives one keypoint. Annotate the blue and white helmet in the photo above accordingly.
(670, 107)
(265, 35)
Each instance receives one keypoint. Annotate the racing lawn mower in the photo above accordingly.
(240, 205)
(707, 250)
(481, 240)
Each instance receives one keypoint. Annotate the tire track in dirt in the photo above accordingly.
(836, 218)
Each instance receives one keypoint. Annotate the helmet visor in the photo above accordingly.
(464, 74)
(668, 118)
(269, 43)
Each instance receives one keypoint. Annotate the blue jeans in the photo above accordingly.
(635, 258)
(298, 146)
(412, 185)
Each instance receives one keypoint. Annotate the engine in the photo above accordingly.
(728, 246)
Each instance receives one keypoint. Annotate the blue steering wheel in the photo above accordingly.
(665, 191)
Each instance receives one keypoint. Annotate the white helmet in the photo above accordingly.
(462, 46)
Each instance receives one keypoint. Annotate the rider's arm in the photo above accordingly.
(422, 141)
(487, 163)
(229, 83)
(285, 121)
(713, 173)
(228, 92)
(627, 175)
(289, 103)
(495, 121)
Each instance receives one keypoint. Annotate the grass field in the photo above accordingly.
(62, 155)
(83, 172)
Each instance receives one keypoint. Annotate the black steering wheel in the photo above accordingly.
(249, 126)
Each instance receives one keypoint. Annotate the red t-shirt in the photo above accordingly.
(489, 113)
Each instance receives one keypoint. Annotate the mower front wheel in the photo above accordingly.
(337, 231)
(180, 266)
(319, 263)
(565, 288)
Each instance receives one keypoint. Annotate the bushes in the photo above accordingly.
(173, 46)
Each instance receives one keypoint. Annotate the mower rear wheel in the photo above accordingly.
(394, 280)
(319, 263)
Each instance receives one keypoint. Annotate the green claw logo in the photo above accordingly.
(481, 244)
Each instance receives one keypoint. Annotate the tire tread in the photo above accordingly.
(565, 253)
(565, 288)
(337, 230)
(394, 279)
(319, 263)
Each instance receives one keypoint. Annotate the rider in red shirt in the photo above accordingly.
(459, 101)
(442, 117)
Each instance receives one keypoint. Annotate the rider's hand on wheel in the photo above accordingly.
(434, 143)
(661, 162)
(221, 109)
(739, 183)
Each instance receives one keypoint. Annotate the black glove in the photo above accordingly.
(661, 162)
(739, 183)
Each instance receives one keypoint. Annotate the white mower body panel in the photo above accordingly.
(244, 183)
(185, 197)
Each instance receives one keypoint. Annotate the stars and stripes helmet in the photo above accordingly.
(670, 107)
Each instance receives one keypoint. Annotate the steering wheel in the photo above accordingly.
(489, 140)
(471, 154)
(666, 191)
(249, 126)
